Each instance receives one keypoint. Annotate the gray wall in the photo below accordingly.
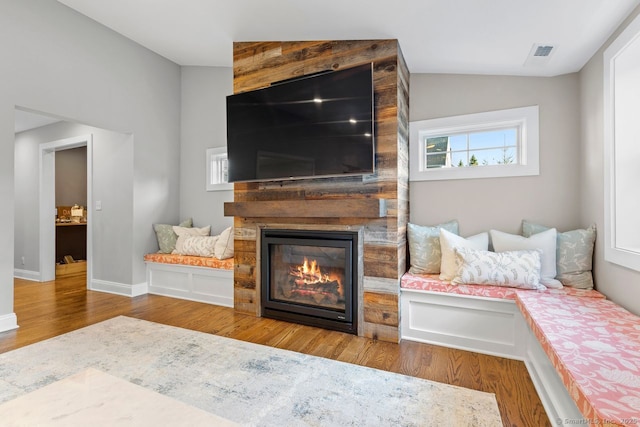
(57, 61)
(552, 198)
(27, 219)
(71, 177)
(620, 284)
(204, 91)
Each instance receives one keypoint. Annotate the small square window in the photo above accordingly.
(217, 170)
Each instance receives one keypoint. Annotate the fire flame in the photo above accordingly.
(310, 282)
(311, 273)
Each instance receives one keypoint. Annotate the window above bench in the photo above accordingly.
(501, 143)
(217, 170)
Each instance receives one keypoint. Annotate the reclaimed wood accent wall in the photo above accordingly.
(258, 64)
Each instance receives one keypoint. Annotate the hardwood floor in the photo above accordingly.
(48, 309)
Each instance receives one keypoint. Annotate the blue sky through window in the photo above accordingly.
(492, 147)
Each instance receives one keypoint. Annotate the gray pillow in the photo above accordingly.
(167, 237)
(424, 246)
(574, 254)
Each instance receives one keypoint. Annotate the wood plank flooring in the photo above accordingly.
(48, 309)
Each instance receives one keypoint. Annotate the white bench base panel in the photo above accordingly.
(555, 398)
(489, 326)
(201, 284)
(484, 325)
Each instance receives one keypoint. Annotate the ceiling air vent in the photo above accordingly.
(543, 50)
(540, 55)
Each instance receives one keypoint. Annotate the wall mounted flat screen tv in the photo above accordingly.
(316, 126)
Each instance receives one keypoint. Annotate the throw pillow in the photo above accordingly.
(167, 237)
(545, 241)
(182, 231)
(224, 245)
(424, 246)
(516, 269)
(195, 245)
(574, 254)
(449, 242)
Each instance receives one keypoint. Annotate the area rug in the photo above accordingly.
(247, 383)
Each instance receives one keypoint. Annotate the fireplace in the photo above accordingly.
(310, 277)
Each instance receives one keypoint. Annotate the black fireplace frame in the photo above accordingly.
(346, 321)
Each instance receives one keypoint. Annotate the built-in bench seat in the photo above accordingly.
(594, 346)
(195, 278)
(581, 350)
(432, 283)
(477, 318)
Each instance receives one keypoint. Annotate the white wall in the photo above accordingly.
(57, 61)
(552, 198)
(204, 125)
(620, 284)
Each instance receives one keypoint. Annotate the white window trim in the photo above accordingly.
(525, 117)
(211, 184)
(613, 253)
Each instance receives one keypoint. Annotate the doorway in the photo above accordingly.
(49, 228)
(71, 212)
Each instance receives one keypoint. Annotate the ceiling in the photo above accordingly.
(436, 36)
(25, 120)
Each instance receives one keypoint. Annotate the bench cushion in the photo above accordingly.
(594, 345)
(432, 282)
(194, 261)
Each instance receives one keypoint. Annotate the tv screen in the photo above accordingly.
(322, 125)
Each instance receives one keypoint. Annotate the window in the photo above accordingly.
(484, 145)
(621, 148)
(218, 170)
(483, 148)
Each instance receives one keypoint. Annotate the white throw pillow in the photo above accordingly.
(449, 242)
(196, 245)
(545, 241)
(224, 245)
(184, 231)
(515, 269)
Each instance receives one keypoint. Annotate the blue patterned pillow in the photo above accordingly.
(424, 246)
(574, 254)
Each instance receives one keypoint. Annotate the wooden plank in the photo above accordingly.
(351, 208)
(381, 308)
(244, 301)
(387, 269)
(381, 332)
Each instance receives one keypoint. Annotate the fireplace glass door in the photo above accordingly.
(308, 277)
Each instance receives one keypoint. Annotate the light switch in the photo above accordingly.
(98, 205)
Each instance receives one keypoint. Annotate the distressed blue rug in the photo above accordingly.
(250, 384)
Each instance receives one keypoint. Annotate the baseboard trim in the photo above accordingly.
(119, 288)
(8, 322)
(34, 276)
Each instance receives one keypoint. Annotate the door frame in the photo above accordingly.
(47, 246)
